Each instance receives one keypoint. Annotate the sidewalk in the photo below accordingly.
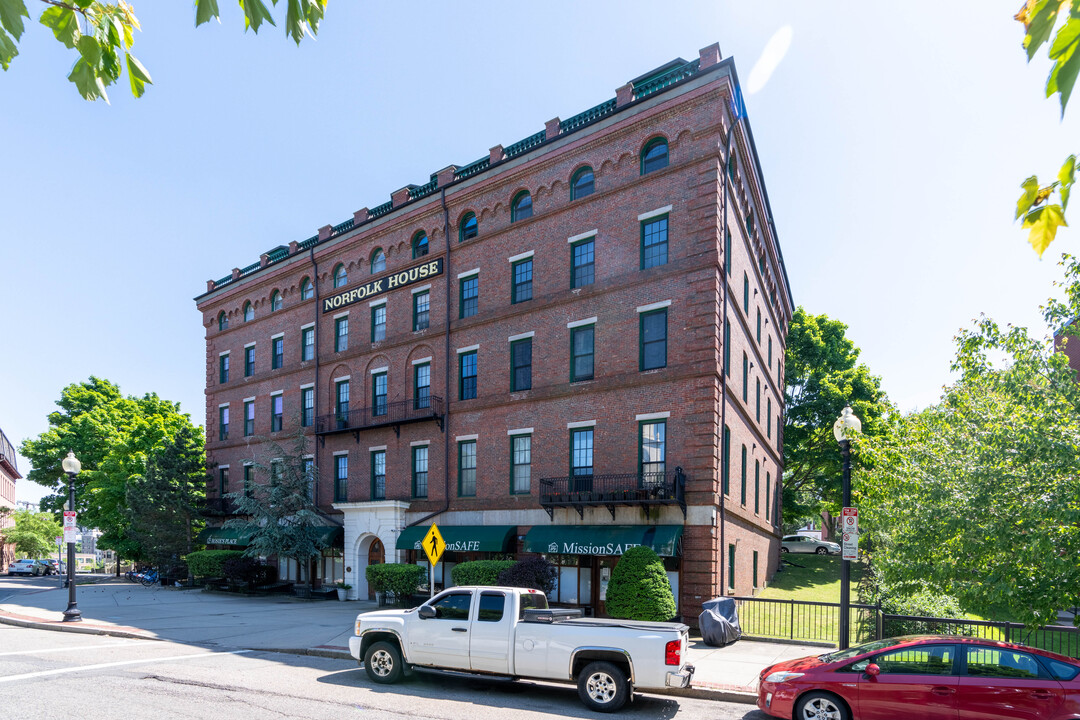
(312, 627)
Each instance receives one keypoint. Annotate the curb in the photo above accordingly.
(82, 629)
(701, 693)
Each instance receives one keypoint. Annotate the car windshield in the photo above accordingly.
(858, 650)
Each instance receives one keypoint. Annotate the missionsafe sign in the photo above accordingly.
(385, 284)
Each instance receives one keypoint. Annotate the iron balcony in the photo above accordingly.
(642, 490)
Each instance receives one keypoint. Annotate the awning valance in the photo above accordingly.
(332, 535)
(604, 539)
(461, 538)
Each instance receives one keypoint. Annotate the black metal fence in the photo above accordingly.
(429, 407)
(819, 622)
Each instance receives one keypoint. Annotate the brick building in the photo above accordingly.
(571, 346)
(9, 473)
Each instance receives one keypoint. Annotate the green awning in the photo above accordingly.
(225, 536)
(604, 539)
(461, 538)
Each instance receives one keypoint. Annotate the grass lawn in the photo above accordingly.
(814, 578)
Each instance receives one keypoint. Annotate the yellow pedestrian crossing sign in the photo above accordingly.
(434, 544)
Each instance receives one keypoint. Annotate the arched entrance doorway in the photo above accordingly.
(376, 556)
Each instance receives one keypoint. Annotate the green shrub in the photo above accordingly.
(377, 576)
(639, 588)
(479, 572)
(403, 579)
(535, 572)
(210, 563)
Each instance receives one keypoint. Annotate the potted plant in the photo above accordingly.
(342, 589)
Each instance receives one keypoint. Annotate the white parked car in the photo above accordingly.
(27, 566)
(511, 633)
(806, 544)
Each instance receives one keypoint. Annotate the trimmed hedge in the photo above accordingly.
(398, 578)
(210, 563)
(534, 572)
(479, 572)
(639, 588)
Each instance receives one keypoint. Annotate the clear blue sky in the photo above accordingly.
(893, 141)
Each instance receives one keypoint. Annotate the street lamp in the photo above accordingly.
(845, 428)
(72, 466)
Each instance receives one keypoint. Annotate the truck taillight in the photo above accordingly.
(673, 653)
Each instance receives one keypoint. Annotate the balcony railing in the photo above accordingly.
(395, 413)
(628, 489)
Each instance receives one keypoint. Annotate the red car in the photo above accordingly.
(931, 677)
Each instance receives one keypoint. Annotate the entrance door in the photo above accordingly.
(601, 577)
(375, 556)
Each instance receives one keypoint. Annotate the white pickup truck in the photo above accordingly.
(510, 632)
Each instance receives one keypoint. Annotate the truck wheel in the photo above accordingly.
(383, 663)
(603, 687)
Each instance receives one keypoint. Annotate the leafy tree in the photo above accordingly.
(639, 587)
(978, 497)
(280, 513)
(534, 572)
(1039, 18)
(823, 375)
(112, 436)
(102, 34)
(33, 533)
(163, 502)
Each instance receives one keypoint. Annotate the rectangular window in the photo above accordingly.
(757, 486)
(249, 418)
(422, 386)
(223, 423)
(421, 311)
(341, 478)
(746, 294)
(768, 490)
(582, 263)
(521, 365)
(341, 403)
(581, 353)
(223, 481)
(223, 368)
(378, 394)
(308, 468)
(341, 334)
(522, 281)
(652, 456)
(467, 376)
(653, 347)
(757, 400)
(249, 361)
(770, 352)
(727, 253)
(731, 567)
(727, 349)
(307, 344)
(725, 461)
(759, 326)
(419, 471)
(307, 405)
(470, 297)
(378, 323)
(654, 242)
(755, 570)
(520, 463)
(249, 480)
(742, 485)
(276, 413)
(768, 417)
(467, 468)
(745, 378)
(378, 474)
(581, 459)
(277, 353)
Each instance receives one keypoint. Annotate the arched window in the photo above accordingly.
(654, 155)
(249, 312)
(307, 290)
(275, 301)
(521, 207)
(222, 321)
(468, 227)
(419, 245)
(341, 277)
(581, 183)
(378, 261)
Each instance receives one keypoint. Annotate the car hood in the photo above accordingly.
(376, 616)
(798, 665)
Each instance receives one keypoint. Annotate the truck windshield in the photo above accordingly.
(531, 601)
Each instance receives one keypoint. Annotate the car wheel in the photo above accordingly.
(822, 551)
(784, 550)
(603, 687)
(821, 706)
(383, 663)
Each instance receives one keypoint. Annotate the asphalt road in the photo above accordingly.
(47, 674)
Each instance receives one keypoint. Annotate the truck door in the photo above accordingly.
(489, 636)
(443, 641)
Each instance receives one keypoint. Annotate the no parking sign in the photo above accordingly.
(849, 527)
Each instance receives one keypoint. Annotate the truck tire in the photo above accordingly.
(383, 663)
(603, 687)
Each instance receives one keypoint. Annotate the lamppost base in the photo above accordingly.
(72, 614)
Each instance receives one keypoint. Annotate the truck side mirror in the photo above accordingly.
(426, 612)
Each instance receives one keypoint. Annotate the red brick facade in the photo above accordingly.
(687, 392)
(9, 473)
